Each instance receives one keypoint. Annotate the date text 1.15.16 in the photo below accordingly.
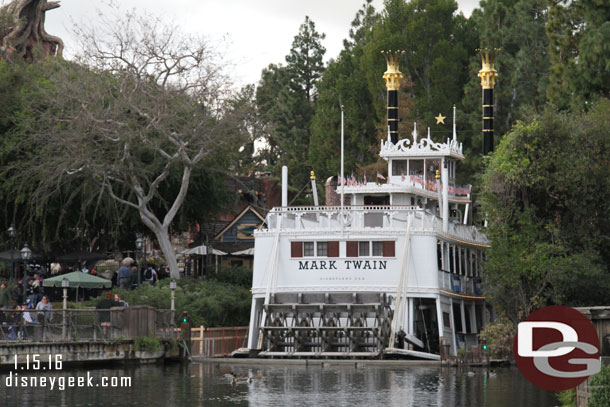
(36, 362)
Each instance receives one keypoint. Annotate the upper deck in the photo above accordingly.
(378, 219)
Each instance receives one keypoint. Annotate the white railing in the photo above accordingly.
(366, 218)
(457, 283)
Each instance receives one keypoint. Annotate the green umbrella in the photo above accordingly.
(77, 280)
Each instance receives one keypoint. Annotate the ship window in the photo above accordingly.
(377, 248)
(400, 167)
(351, 249)
(446, 320)
(322, 249)
(308, 249)
(416, 167)
(364, 249)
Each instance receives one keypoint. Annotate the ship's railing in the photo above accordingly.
(356, 218)
(459, 284)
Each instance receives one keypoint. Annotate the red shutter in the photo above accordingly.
(389, 249)
(332, 249)
(296, 249)
(352, 249)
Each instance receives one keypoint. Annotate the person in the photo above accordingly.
(18, 293)
(150, 275)
(104, 316)
(124, 275)
(94, 271)
(44, 306)
(5, 296)
(118, 299)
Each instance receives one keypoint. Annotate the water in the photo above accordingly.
(288, 385)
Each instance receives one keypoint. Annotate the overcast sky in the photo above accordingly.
(260, 32)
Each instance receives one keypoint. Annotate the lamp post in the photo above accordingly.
(26, 255)
(65, 284)
(139, 245)
(11, 234)
(172, 285)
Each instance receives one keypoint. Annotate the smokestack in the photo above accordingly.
(392, 78)
(488, 81)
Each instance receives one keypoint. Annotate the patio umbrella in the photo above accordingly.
(78, 280)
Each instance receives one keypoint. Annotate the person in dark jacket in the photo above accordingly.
(5, 296)
(106, 304)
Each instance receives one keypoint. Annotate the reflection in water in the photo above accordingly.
(289, 385)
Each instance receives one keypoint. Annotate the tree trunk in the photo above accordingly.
(165, 244)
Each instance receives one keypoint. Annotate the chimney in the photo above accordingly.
(392, 78)
(488, 81)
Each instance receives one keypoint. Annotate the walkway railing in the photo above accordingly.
(216, 342)
(86, 324)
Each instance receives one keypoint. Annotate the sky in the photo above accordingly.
(257, 32)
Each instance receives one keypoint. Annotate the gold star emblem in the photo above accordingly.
(440, 119)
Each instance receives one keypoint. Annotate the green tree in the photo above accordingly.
(139, 110)
(517, 28)
(286, 98)
(545, 192)
(579, 33)
(344, 83)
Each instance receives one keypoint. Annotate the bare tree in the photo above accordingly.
(142, 101)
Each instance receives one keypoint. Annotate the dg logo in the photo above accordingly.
(556, 348)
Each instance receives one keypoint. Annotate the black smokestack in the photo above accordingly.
(488, 81)
(392, 78)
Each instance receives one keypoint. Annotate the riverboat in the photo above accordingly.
(395, 269)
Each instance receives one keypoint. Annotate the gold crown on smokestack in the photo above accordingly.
(392, 75)
(488, 73)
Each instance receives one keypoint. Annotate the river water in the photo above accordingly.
(209, 384)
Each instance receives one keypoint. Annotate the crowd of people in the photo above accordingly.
(21, 300)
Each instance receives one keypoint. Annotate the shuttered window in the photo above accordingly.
(352, 249)
(389, 248)
(332, 249)
(296, 249)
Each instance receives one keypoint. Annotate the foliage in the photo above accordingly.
(579, 35)
(435, 70)
(147, 344)
(499, 335)
(546, 191)
(238, 276)
(599, 386)
(126, 128)
(567, 398)
(210, 303)
(285, 102)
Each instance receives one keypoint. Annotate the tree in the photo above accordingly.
(579, 34)
(143, 104)
(286, 98)
(546, 193)
(22, 32)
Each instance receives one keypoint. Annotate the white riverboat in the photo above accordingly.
(396, 271)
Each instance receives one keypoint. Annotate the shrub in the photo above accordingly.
(599, 386)
(147, 344)
(499, 336)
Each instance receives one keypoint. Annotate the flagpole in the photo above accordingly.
(342, 164)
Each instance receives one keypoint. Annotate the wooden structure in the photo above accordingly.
(217, 342)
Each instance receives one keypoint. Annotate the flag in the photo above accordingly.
(364, 179)
(403, 177)
(380, 176)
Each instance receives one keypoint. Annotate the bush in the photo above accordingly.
(567, 398)
(240, 276)
(147, 344)
(599, 386)
(499, 336)
(210, 303)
